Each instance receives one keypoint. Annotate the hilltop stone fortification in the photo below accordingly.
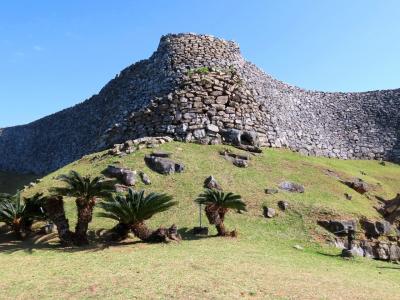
(200, 88)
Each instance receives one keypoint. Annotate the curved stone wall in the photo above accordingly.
(173, 93)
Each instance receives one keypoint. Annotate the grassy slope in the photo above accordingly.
(261, 263)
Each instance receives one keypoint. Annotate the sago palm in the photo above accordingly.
(85, 190)
(20, 213)
(134, 208)
(217, 204)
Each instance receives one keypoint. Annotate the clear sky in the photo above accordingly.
(54, 54)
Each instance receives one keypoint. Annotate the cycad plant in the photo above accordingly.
(85, 190)
(20, 213)
(133, 209)
(217, 204)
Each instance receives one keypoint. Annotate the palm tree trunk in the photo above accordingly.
(160, 235)
(85, 215)
(119, 232)
(221, 229)
(56, 213)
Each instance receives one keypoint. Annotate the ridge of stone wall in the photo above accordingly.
(194, 88)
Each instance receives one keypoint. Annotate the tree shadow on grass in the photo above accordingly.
(188, 235)
(393, 268)
(328, 254)
(10, 244)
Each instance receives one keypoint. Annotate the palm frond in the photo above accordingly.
(221, 199)
(76, 185)
(135, 206)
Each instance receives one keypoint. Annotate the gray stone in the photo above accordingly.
(211, 183)
(283, 205)
(212, 127)
(358, 185)
(271, 191)
(291, 187)
(145, 179)
(241, 163)
(163, 165)
(129, 177)
(269, 212)
(338, 227)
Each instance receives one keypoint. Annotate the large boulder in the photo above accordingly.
(163, 165)
(126, 176)
(291, 187)
(377, 228)
(338, 227)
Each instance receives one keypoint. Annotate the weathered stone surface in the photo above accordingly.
(159, 97)
(211, 183)
(129, 178)
(241, 163)
(376, 228)
(283, 205)
(126, 176)
(145, 179)
(291, 187)
(338, 227)
(358, 185)
(269, 212)
(163, 165)
(271, 191)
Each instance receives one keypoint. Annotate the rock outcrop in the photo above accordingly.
(199, 88)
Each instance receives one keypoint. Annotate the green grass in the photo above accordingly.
(260, 264)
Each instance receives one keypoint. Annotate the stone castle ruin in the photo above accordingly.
(199, 88)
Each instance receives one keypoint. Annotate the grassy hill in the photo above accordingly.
(261, 263)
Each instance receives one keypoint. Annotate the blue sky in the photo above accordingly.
(54, 54)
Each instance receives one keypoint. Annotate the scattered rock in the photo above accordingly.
(271, 191)
(298, 247)
(31, 184)
(145, 179)
(241, 163)
(163, 165)
(283, 205)
(358, 185)
(131, 146)
(126, 176)
(211, 183)
(291, 187)
(238, 160)
(338, 227)
(269, 212)
(382, 163)
(391, 210)
(129, 177)
(375, 229)
(348, 196)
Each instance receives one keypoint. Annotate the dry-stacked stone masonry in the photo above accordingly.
(199, 88)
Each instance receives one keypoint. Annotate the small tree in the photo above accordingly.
(20, 213)
(85, 190)
(217, 204)
(133, 209)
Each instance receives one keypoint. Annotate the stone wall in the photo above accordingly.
(196, 87)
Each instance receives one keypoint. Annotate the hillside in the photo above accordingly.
(261, 263)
